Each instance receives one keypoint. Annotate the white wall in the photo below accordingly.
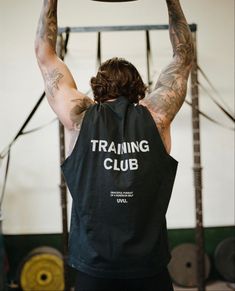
(32, 202)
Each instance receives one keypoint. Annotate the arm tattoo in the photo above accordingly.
(170, 90)
(180, 35)
(52, 81)
(47, 26)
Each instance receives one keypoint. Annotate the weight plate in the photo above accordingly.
(41, 270)
(225, 259)
(183, 265)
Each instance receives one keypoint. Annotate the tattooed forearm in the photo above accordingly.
(52, 81)
(170, 90)
(180, 34)
(47, 26)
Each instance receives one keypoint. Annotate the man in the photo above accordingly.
(119, 173)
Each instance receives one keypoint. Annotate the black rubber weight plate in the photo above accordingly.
(183, 265)
(225, 259)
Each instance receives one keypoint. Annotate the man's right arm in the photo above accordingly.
(61, 90)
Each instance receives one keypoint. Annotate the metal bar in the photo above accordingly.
(63, 194)
(148, 55)
(63, 189)
(3, 278)
(98, 56)
(192, 26)
(197, 172)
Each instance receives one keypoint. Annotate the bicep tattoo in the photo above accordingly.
(52, 80)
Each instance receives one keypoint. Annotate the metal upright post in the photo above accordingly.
(98, 55)
(63, 193)
(63, 189)
(2, 273)
(197, 172)
(148, 56)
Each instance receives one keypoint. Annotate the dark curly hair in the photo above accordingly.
(117, 77)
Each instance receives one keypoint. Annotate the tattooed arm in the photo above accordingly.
(61, 91)
(170, 91)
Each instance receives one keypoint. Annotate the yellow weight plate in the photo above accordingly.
(42, 272)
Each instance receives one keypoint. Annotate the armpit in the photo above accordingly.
(163, 130)
(77, 112)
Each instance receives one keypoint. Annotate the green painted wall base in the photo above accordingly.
(18, 246)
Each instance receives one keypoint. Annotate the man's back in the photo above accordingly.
(121, 179)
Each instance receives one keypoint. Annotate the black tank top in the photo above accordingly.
(120, 178)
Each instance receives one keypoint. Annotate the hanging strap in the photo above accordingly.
(209, 118)
(5, 179)
(215, 101)
(229, 114)
(6, 151)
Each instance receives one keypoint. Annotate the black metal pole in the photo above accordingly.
(86, 29)
(61, 49)
(98, 55)
(197, 172)
(148, 55)
(63, 195)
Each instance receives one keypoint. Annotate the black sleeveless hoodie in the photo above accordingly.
(120, 178)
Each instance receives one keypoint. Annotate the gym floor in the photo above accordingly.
(211, 286)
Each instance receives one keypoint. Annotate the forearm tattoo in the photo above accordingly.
(52, 80)
(47, 26)
(180, 34)
(46, 38)
(170, 90)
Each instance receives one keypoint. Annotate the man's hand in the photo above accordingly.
(61, 91)
(170, 91)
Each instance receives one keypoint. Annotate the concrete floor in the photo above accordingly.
(211, 286)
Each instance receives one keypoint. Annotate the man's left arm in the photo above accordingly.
(169, 93)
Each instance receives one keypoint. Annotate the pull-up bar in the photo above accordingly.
(192, 26)
(99, 29)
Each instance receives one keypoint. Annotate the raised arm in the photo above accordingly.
(61, 91)
(170, 91)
